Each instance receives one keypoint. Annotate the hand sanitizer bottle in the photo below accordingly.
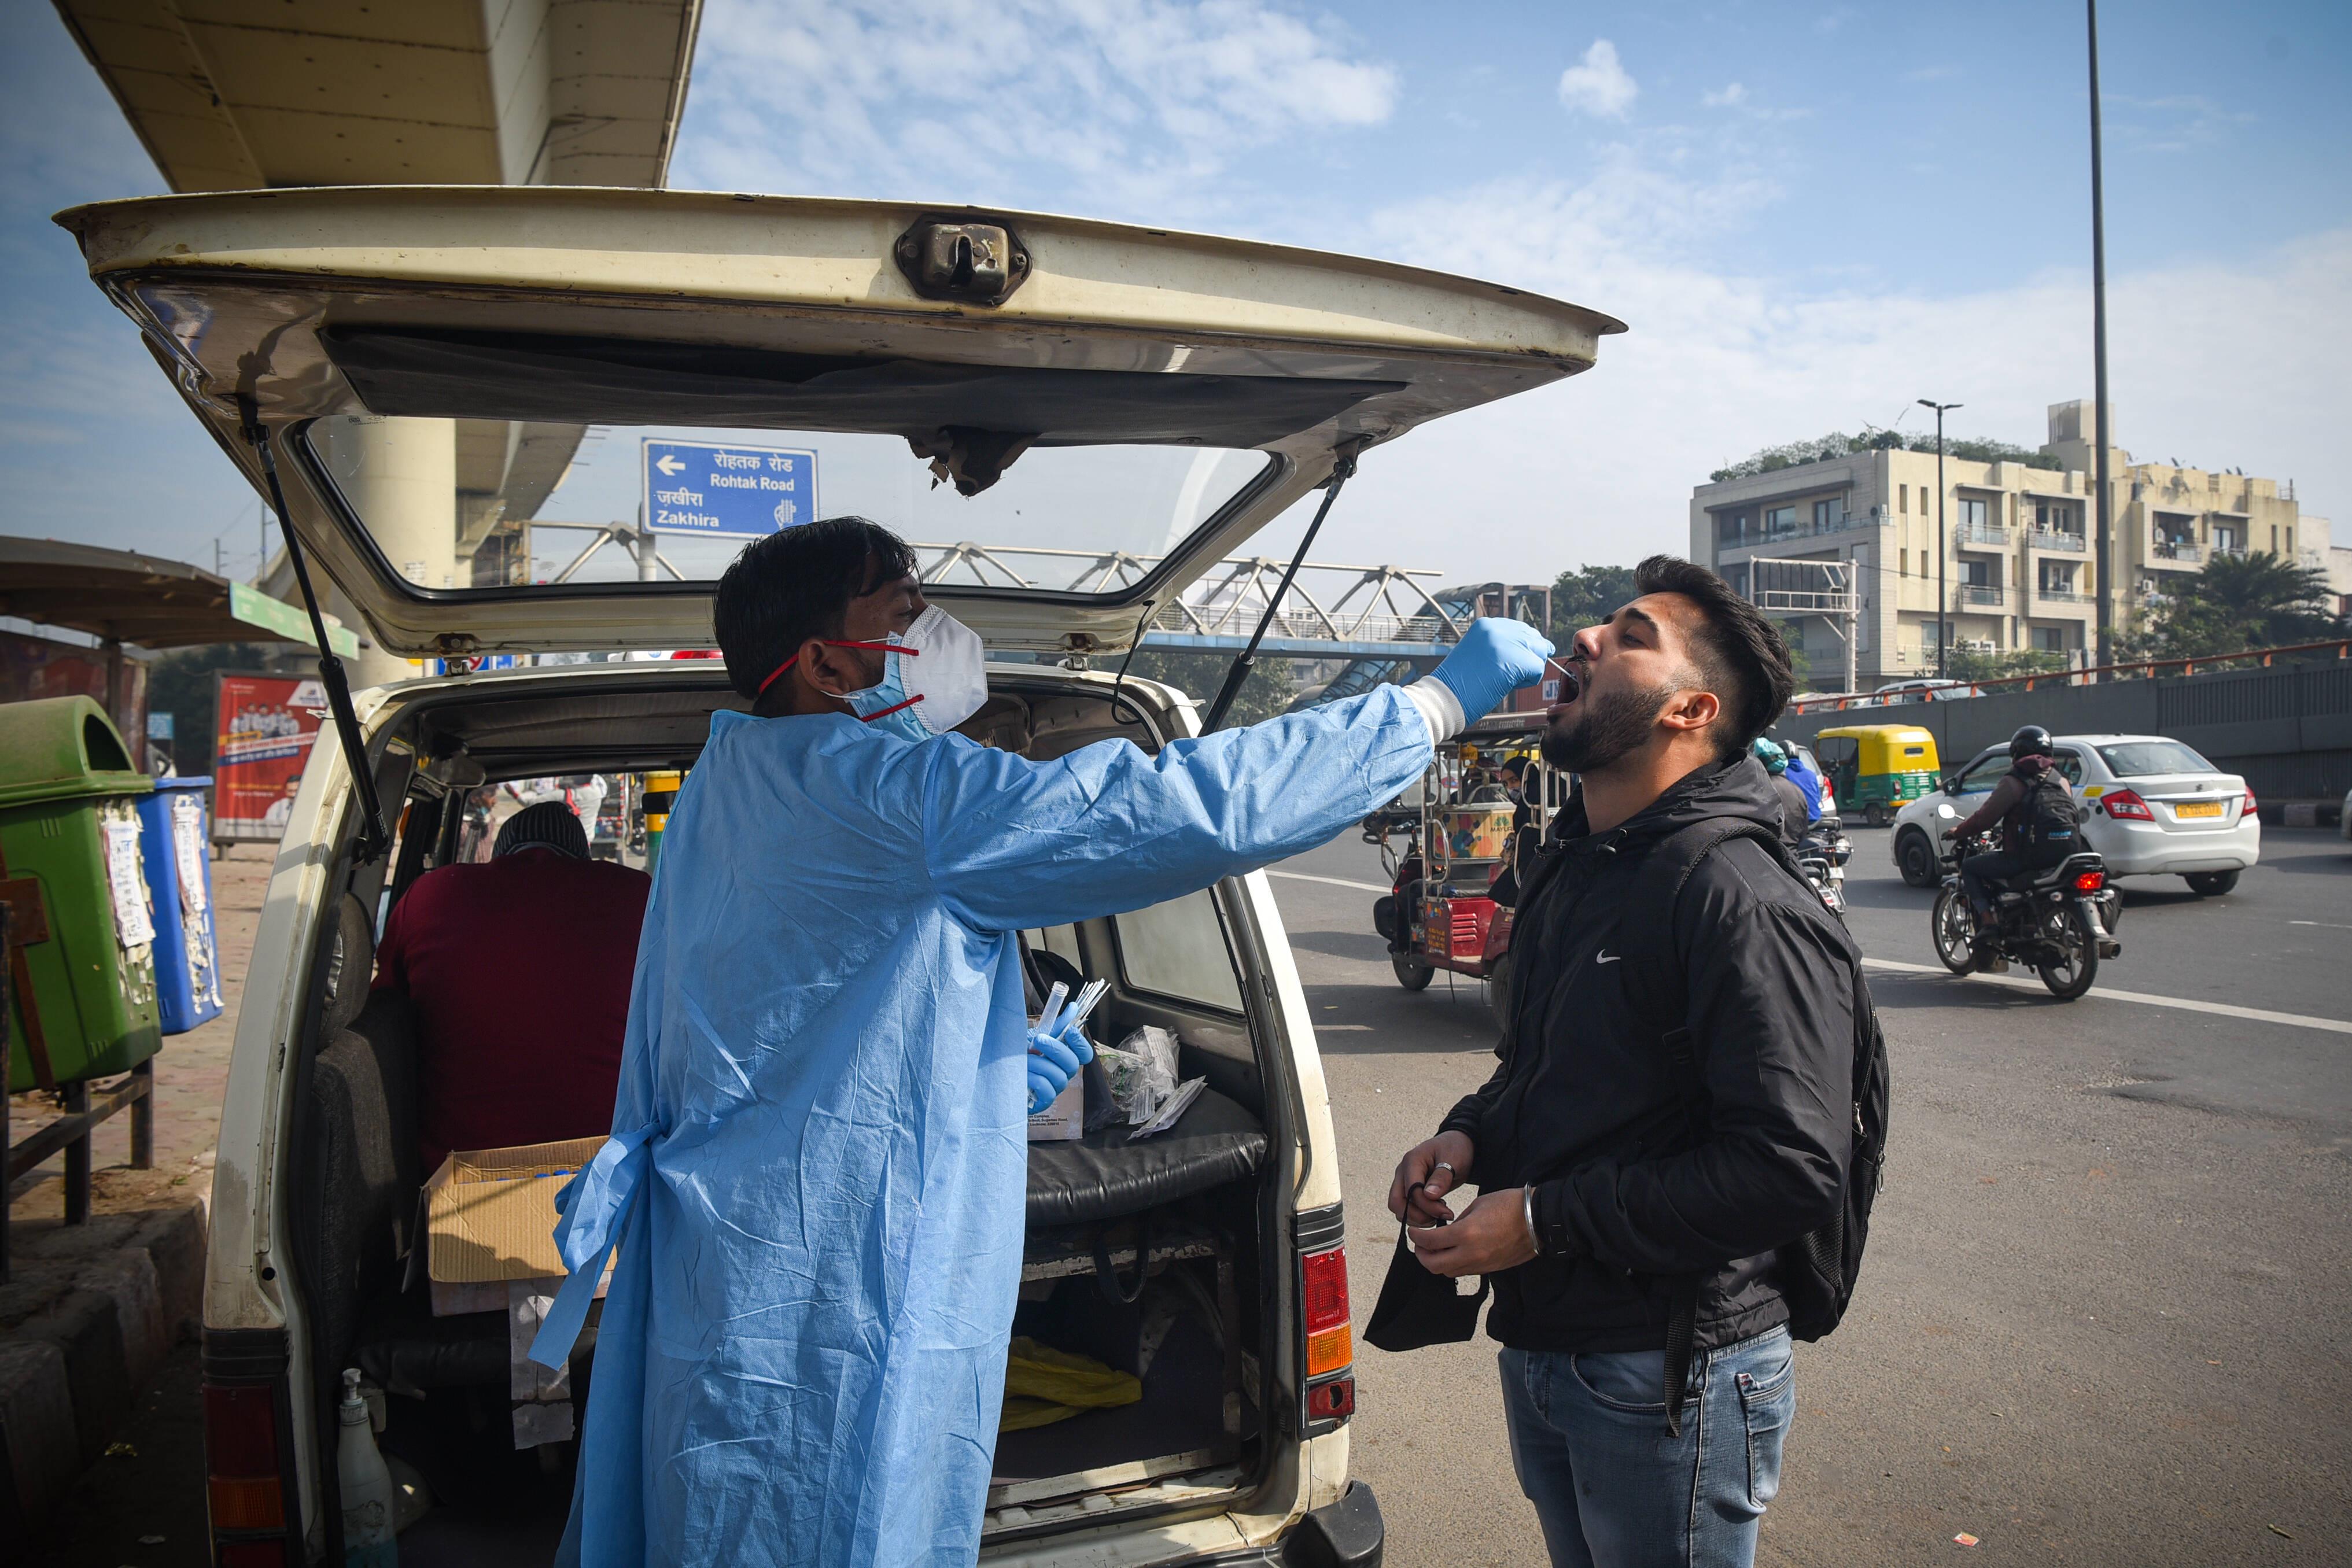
(368, 1539)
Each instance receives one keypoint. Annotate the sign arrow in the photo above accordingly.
(671, 466)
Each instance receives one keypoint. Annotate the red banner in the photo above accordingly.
(264, 729)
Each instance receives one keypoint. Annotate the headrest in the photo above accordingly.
(350, 967)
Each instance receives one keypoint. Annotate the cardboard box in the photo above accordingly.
(1065, 1118)
(489, 1214)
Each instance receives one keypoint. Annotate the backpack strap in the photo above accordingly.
(1658, 988)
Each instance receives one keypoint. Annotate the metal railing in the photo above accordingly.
(1363, 607)
(2058, 539)
(2144, 668)
(1970, 593)
(1843, 523)
(2179, 551)
(1993, 534)
(2061, 596)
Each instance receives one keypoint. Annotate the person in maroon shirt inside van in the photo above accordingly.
(519, 968)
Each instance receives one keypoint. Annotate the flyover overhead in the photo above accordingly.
(234, 95)
(240, 94)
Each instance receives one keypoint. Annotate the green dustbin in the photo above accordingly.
(82, 954)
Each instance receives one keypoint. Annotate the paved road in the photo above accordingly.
(2105, 1316)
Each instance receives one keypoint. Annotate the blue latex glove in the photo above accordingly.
(1052, 1059)
(1495, 658)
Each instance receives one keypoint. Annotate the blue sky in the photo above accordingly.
(1808, 214)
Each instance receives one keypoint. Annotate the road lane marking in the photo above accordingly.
(2331, 925)
(1343, 1029)
(1332, 881)
(2185, 1004)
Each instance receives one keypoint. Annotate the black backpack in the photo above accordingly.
(2049, 818)
(1816, 1272)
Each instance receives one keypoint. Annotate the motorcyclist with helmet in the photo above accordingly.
(2031, 758)
(1796, 811)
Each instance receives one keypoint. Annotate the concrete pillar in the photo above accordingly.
(401, 478)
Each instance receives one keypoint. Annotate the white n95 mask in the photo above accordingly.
(933, 678)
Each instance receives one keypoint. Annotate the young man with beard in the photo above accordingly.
(1608, 1201)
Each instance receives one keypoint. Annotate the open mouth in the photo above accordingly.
(1572, 677)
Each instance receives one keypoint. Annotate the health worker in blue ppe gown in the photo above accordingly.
(818, 1165)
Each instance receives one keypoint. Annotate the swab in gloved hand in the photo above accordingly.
(1053, 1058)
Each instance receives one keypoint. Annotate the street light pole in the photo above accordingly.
(2099, 355)
(1943, 595)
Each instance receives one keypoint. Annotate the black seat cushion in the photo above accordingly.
(402, 1346)
(1106, 1175)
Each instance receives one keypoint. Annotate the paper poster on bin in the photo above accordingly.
(134, 923)
(263, 731)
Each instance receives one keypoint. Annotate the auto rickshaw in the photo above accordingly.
(1876, 769)
(1446, 844)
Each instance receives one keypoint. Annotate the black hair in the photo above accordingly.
(791, 586)
(1512, 765)
(1740, 652)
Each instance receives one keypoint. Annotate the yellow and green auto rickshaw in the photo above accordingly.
(1875, 768)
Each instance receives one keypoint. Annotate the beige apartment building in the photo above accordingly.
(2019, 561)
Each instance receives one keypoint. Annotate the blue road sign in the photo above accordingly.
(699, 487)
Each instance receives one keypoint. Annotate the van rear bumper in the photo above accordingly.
(1348, 1533)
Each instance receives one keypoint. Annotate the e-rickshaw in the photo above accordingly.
(1876, 769)
(1445, 845)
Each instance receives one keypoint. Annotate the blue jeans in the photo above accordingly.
(1613, 1489)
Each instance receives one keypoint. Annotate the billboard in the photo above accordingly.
(264, 726)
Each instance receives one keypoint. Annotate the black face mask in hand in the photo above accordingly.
(1418, 1308)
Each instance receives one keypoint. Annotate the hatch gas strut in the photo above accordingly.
(373, 839)
(1343, 469)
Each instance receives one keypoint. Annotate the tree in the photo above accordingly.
(1266, 693)
(2240, 602)
(1586, 597)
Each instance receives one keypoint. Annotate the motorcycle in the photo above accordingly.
(1822, 855)
(2061, 922)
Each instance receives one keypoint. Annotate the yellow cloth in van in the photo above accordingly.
(1043, 1386)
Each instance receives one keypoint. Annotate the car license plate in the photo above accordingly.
(2198, 808)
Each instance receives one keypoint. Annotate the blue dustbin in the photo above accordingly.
(176, 850)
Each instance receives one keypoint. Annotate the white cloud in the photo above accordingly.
(1599, 86)
(1729, 97)
(2234, 364)
(1104, 103)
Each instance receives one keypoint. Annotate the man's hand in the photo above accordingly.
(1491, 1235)
(1437, 1166)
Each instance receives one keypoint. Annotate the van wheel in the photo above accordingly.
(1411, 973)
(2209, 883)
(1915, 858)
(1875, 814)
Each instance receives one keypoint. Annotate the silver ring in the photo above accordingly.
(1445, 1166)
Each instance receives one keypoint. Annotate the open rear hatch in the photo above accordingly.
(539, 418)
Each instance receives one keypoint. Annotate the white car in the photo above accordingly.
(2152, 807)
(1118, 408)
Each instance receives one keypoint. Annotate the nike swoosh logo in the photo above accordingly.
(1607, 958)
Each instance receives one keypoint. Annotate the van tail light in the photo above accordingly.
(2126, 803)
(244, 1478)
(1330, 1343)
(2089, 881)
(1332, 1401)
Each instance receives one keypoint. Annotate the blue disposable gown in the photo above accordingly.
(819, 1158)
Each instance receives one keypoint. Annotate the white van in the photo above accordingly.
(469, 395)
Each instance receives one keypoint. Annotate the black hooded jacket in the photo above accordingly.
(1583, 1106)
